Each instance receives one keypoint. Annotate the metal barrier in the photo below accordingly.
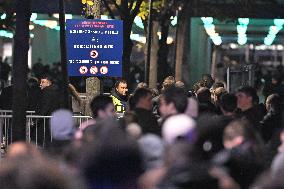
(37, 129)
(9, 112)
(242, 75)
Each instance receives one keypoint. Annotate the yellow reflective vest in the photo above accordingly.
(119, 107)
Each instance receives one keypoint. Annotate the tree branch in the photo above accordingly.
(131, 5)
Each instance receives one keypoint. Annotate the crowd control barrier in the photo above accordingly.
(37, 128)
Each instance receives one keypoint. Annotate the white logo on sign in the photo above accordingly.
(94, 54)
(93, 70)
(83, 70)
(104, 70)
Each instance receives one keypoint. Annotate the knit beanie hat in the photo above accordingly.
(62, 125)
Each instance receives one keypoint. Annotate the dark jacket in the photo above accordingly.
(5, 69)
(147, 121)
(50, 100)
(6, 98)
(244, 163)
(270, 125)
(193, 175)
(57, 148)
(33, 96)
(207, 107)
(254, 115)
(210, 131)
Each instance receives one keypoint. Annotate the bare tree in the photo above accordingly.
(127, 11)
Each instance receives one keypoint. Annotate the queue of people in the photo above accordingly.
(167, 139)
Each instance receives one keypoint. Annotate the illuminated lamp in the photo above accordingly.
(279, 22)
(207, 20)
(280, 47)
(217, 40)
(233, 46)
(274, 29)
(67, 16)
(3, 32)
(174, 21)
(31, 27)
(268, 41)
(210, 29)
(9, 35)
(244, 21)
(170, 40)
(271, 36)
(242, 29)
(242, 39)
(33, 17)
(40, 22)
(51, 24)
(3, 16)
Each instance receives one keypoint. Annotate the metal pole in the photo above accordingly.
(177, 67)
(93, 84)
(63, 51)
(228, 80)
(149, 41)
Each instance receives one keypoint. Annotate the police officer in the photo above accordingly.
(119, 96)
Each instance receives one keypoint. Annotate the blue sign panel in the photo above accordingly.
(94, 47)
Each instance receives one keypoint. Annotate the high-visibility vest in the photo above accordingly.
(119, 107)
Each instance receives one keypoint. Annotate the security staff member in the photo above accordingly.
(119, 96)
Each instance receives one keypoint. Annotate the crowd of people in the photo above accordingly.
(150, 139)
